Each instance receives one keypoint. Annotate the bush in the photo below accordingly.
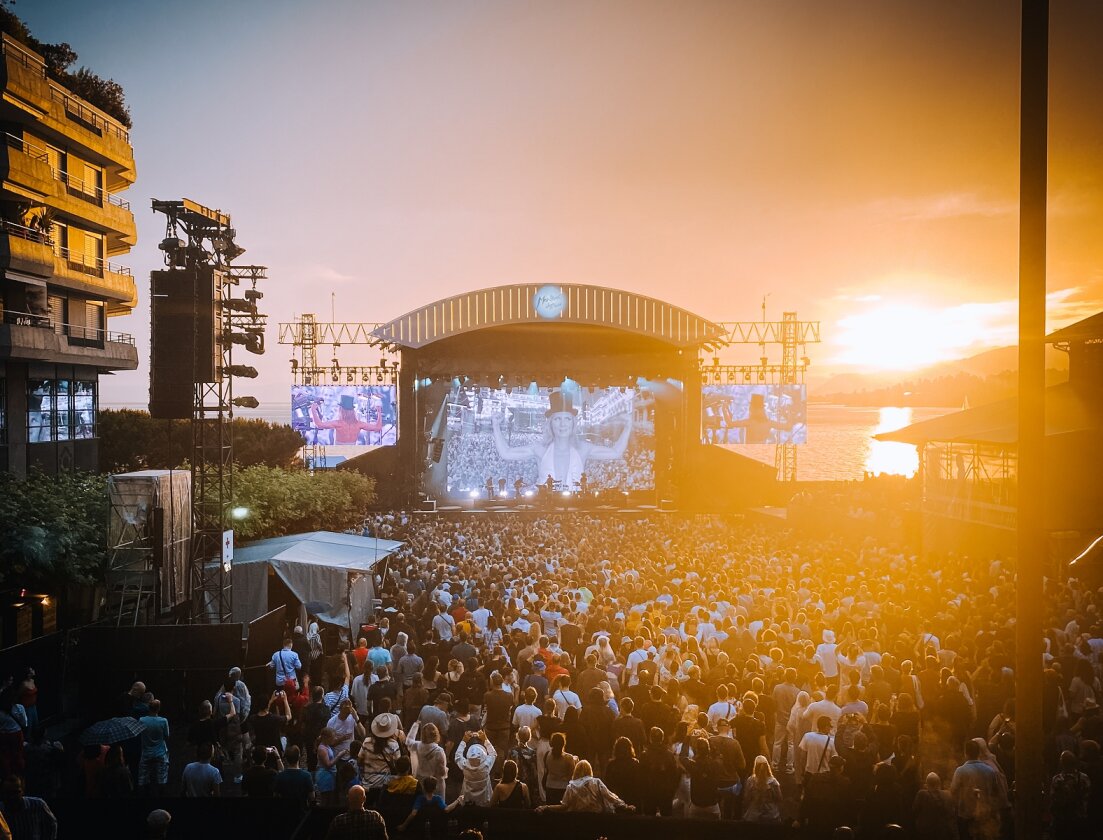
(54, 529)
(282, 502)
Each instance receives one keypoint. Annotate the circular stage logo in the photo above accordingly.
(549, 301)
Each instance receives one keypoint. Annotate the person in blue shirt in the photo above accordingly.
(428, 805)
(153, 767)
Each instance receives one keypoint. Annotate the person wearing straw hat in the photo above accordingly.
(378, 758)
(561, 454)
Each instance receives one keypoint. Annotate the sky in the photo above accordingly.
(855, 162)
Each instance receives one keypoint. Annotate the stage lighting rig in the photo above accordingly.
(245, 402)
(240, 371)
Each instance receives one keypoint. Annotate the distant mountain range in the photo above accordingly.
(983, 378)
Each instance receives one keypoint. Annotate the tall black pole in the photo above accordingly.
(1030, 607)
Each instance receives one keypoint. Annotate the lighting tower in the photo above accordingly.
(220, 320)
(306, 334)
(792, 335)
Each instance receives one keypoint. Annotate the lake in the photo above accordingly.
(840, 440)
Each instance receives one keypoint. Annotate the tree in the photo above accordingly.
(105, 94)
(284, 502)
(132, 440)
(55, 529)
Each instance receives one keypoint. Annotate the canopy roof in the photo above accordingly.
(550, 303)
(330, 570)
(1067, 411)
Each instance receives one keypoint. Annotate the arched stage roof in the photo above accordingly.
(533, 303)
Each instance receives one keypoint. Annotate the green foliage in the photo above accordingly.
(55, 529)
(132, 440)
(105, 94)
(284, 502)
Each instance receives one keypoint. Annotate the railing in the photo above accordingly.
(26, 148)
(25, 57)
(84, 113)
(89, 265)
(82, 189)
(75, 333)
(24, 232)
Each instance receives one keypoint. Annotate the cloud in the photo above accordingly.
(950, 205)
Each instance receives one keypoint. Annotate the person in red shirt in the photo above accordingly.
(361, 653)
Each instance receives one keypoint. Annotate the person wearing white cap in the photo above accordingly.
(475, 756)
(826, 656)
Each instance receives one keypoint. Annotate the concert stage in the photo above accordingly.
(512, 397)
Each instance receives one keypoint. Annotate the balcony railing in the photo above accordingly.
(89, 192)
(74, 106)
(86, 114)
(78, 335)
(77, 186)
(25, 57)
(24, 232)
(29, 149)
(89, 265)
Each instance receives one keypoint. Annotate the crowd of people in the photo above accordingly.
(693, 666)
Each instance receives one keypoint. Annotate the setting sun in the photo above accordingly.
(905, 336)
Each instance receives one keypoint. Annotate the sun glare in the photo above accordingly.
(901, 336)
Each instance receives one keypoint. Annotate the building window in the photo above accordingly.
(84, 409)
(40, 410)
(63, 409)
(58, 306)
(93, 320)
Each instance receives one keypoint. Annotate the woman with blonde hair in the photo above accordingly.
(762, 794)
(325, 777)
(587, 793)
(430, 761)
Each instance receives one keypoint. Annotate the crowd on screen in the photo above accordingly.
(472, 459)
(694, 667)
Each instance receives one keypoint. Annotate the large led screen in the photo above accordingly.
(568, 438)
(754, 414)
(345, 415)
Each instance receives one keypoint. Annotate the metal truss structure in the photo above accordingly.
(793, 336)
(209, 243)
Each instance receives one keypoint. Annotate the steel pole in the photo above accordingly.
(1030, 606)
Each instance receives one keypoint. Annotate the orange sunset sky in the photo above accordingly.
(855, 161)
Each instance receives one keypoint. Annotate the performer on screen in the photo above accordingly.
(347, 426)
(757, 425)
(561, 454)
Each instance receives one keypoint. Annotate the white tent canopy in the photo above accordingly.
(322, 568)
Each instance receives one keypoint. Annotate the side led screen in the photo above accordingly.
(754, 414)
(347, 415)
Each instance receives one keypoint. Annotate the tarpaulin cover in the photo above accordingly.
(134, 496)
(323, 567)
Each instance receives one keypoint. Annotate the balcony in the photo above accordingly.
(28, 87)
(76, 270)
(30, 176)
(26, 250)
(31, 337)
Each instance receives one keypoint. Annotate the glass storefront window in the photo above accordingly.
(84, 410)
(40, 410)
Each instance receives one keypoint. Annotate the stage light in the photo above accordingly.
(704, 379)
(335, 375)
(239, 512)
(715, 361)
(746, 376)
(364, 377)
(529, 494)
(379, 377)
(474, 494)
(566, 493)
(382, 363)
(242, 371)
(762, 376)
(307, 379)
(294, 365)
(350, 374)
(731, 377)
(246, 402)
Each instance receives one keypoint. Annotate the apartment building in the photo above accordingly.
(63, 228)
